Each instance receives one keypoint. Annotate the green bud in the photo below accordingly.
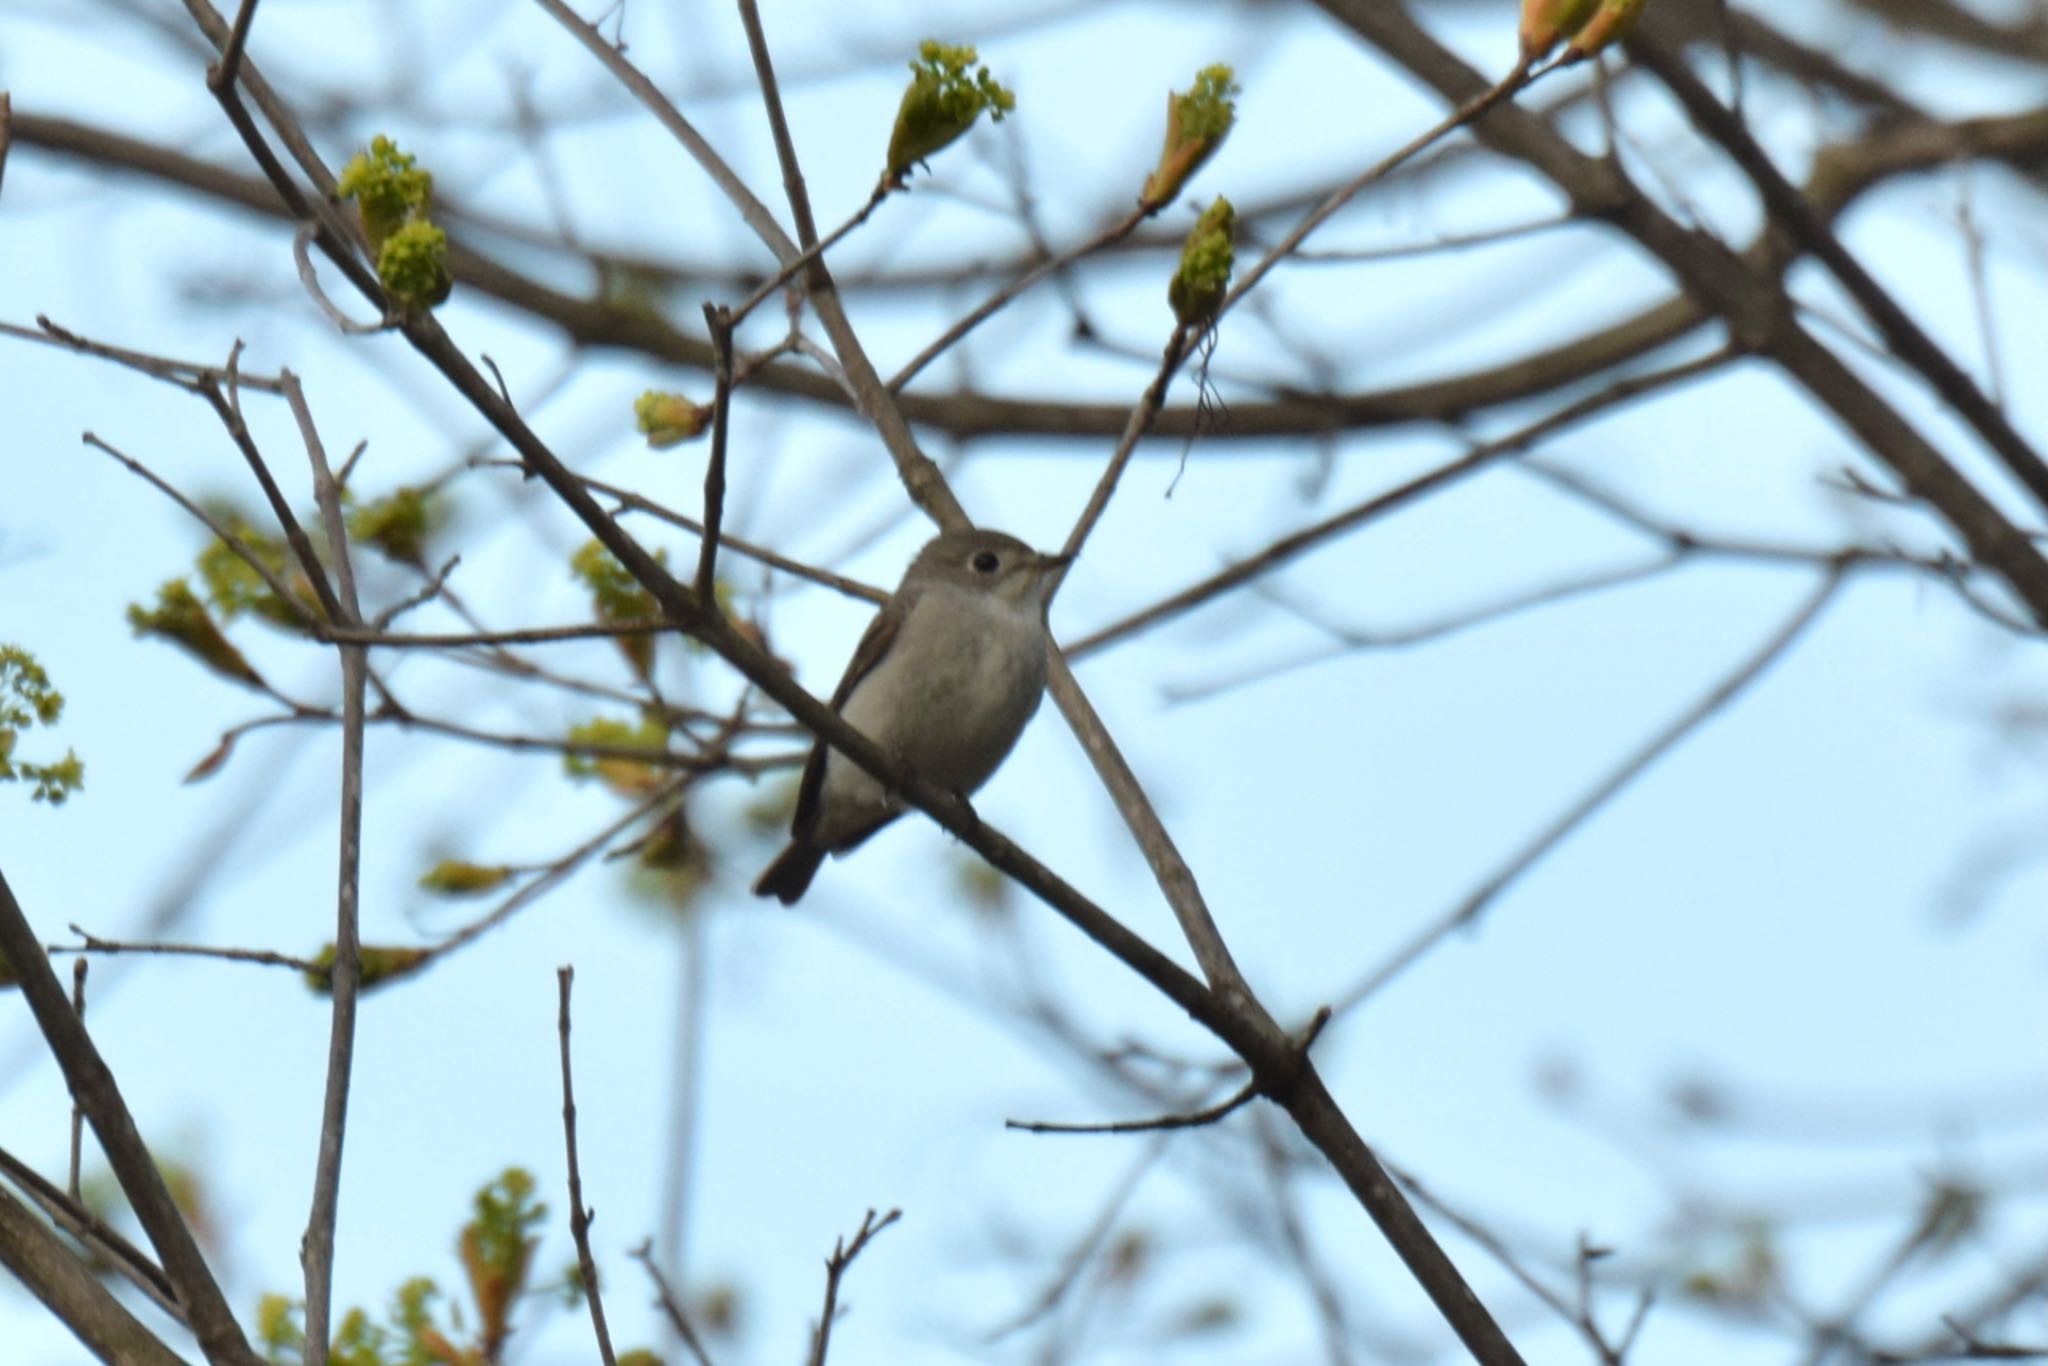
(453, 877)
(379, 963)
(182, 619)
(1196, 124)
(399, 523)
(413, 264)
(667, 419)
(617, 596)
(1204, 276)
(393, 198)
(1546, 23)
(941, 103)
(387, 189)
(1613, 19)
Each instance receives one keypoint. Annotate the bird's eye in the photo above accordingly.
(986, 562)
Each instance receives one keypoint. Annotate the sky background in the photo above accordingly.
(1782, 906)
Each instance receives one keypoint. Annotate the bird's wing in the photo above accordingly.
(874, 643)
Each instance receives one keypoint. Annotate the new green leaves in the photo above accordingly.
(942, 102)
(27, 699)
(1198, 287)
(1197, 121)
(392, 198)
(1591, 25)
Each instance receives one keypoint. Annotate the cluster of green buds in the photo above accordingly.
(182, 619)
(28, 699)
(625, 776)
(400, 523)
(667, 419)
(1589, 25)
(1197, 121)
(392, 198)
(941, 103)
(377, 965)
(617, 597)
(1198, 287)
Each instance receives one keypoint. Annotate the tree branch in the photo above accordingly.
(93, 1086)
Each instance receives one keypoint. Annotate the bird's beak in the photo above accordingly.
(1045, 574)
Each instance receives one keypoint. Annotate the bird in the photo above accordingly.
(947, 676)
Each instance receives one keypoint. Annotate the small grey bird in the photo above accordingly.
(946, 677)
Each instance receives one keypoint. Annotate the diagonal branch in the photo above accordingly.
(1286, 1076)
(1758, 315)
(68, 1288)
(92, 1086)
(1788, 207)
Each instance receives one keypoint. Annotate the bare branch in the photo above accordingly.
(842, 1257)
(94, 944)
(344, 977)
(92, 1084)
(579, 1215)
(69, 1290)
(671, 1306)
(720, 321)
(1788, 207)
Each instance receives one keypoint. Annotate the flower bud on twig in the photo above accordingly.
(942, 103)
(1204, 276)
(1196, 124)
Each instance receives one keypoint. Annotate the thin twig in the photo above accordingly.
(1176, 880)
(1142, 415)
(191, 376)
(670, 1305)
(1084, 1247)
(720, 322)
(229, 65)
(1980, 290)
(842, 1257)
(1788, 206)
(344, 978)
(73, 1292)
(1283, 1201)
(1192, 1119)
(106, 1242)
(630, 501)
(556, 872)
(803, 259)
(921, 478)
(1476, 107)
(995, 302)
(1347, 639)
(78, 971)
(579, 1216)
(1501, 1253)
(92, 1083)
(277, 586)
(92, 943)
(1300, 542)
(287, 520)
(533, 635)
(681, 1133)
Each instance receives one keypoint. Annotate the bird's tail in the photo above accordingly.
(787, 877)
